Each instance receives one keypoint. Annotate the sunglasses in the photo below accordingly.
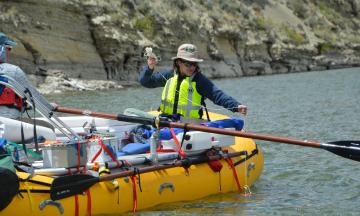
(189, 64)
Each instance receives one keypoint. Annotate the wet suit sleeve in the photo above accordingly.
(209, 90)
(149, 79)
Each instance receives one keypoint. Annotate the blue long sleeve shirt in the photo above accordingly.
(203, 85)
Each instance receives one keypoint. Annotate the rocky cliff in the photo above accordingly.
(63, 42)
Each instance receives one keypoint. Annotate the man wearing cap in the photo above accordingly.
(11, 104)
(185, 86)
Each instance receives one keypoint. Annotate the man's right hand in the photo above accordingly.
(242, 109)
(151, 62)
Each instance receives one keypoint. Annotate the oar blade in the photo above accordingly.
(67, 186)
(345, 148)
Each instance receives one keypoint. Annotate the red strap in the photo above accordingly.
(231, 164)
(78, 155)
(76, 205)
(180, 150)
(133, 179)
(76, 199)
(97, 155)
(88, 202)
(108, 151)
(163, 150)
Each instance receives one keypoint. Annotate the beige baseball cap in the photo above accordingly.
(188, 52)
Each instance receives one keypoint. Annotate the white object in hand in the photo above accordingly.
(149, 53)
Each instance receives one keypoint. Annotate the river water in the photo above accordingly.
(322, 106)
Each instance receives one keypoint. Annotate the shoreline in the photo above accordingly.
(58, 85)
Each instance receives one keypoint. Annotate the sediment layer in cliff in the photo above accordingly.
(66, 42)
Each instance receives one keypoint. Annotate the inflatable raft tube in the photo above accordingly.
(10, 130)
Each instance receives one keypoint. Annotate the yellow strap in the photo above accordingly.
(30, 197)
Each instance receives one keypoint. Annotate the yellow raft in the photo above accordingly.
(154, 188)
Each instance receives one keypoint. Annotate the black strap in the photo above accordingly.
(184, 134)
(177, 93)
(185, 163)
(22, 128)
(137, 172)
(204, 105)
(2, 87)
(35, 133)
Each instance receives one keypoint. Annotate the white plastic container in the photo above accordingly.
(197, 142)
(64, 155)
(93, 147)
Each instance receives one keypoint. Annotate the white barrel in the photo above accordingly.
(198, 142)
(10, 130)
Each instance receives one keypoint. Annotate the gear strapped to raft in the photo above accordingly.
(9, 98)
(8, 180)
(42, 105)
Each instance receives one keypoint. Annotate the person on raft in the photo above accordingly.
(186, 88)
(11, 104)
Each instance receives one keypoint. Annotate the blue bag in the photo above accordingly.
(236, 123)
(135, 148)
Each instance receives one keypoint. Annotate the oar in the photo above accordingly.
(346, 148)
(67, 186)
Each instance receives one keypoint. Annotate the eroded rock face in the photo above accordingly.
(104, 40)
(51, 35)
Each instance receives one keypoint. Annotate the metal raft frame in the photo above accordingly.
(43, 107)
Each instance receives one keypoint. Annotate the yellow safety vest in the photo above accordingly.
(189, 102)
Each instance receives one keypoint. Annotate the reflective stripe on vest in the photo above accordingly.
(8, 97)
(189, 102)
